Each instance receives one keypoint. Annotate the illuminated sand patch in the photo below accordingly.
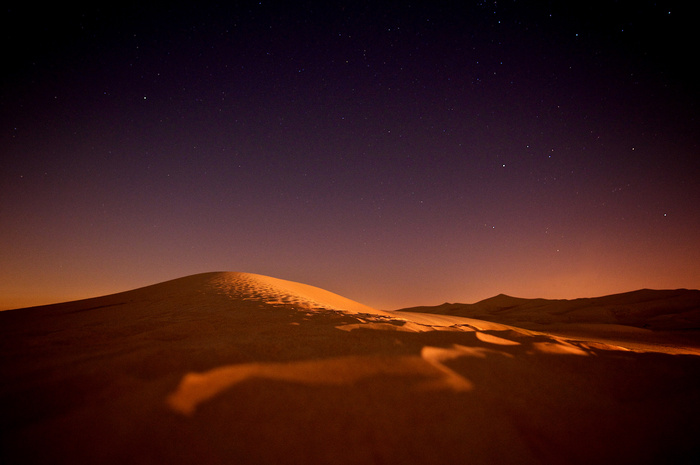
(196, 388)
(558, 348)
(491, 339)
(437, 320)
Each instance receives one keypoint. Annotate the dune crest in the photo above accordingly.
(275, 291)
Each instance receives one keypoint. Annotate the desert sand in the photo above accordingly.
(243, 368)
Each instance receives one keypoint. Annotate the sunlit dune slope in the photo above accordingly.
(201, 289)
(240, 368)
(221, 290)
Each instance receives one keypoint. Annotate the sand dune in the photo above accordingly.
(646, 308)
(244, 368)
(663, 320)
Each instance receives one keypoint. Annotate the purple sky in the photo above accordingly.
(397, 153)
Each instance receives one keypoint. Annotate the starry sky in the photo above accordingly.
(398, 153)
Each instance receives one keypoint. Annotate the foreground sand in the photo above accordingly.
(242, 368)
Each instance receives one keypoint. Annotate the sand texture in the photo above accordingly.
(237, 368)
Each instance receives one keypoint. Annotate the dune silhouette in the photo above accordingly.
(243, 368)
(646, 308)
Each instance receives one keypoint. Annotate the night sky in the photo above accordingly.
(397, 153)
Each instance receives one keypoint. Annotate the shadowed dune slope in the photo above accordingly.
(240, 368)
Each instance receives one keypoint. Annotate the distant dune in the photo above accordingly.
(243, 368)
(646, 308)
(639, 317)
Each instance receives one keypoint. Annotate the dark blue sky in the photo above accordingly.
(398, 153)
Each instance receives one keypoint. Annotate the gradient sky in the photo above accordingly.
(397, 153)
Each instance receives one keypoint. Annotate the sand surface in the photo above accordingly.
(242, 368)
